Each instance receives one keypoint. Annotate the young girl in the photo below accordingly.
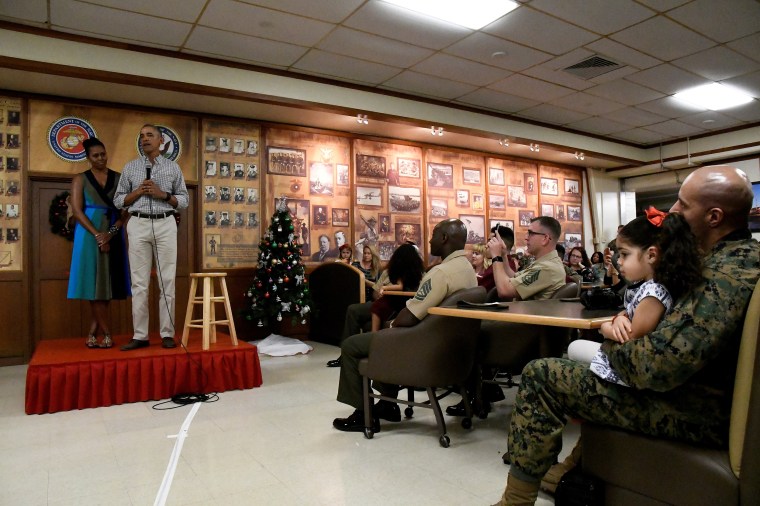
(658, 253)
(405, 270)
(482, 266)
(345, 254)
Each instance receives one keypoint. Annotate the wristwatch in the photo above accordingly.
(168, 196)
(498, 259)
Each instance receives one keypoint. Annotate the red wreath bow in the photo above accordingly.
(655, 216)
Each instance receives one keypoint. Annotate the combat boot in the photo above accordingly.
(519, 493)
(557, 471)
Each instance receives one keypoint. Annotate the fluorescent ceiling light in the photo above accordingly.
(473, 14)
(713, 96)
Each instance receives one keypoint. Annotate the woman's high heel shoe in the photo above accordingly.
(92, 341)
(107, 341)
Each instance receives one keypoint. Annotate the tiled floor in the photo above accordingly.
(272, 445)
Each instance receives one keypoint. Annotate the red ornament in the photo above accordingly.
(286, 279)
(266, 295)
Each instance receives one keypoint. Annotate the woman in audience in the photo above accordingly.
(345, 254)
(482, 266)
(597, 265)
(580, 265)
(405, 270)
(370, 266)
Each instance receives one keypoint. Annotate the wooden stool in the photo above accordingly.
(209, 322)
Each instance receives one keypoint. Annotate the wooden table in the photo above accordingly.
(551, 313)
(399, 292)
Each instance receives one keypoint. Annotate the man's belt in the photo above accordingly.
(158, 216)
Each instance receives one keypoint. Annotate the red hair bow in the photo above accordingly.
(655, 216)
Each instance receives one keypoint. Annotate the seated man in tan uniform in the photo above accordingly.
(453, 274)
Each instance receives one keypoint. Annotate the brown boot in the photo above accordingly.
(518, 493)
(557, 471)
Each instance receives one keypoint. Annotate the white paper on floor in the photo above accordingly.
(280, 346)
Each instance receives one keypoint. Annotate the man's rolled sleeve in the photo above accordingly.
(432, 291)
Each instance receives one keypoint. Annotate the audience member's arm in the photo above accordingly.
(502, 271)
(405, 318)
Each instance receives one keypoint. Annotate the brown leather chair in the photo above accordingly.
(436, 353)
(645, 471)
(334, 286)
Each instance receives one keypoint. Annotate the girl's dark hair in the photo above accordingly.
(90, 143)
(679, 266)
(405, 264)
(584, 260)
(596, 254)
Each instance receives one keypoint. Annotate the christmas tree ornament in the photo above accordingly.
(266, 295)
(279, 317)
(260, 324)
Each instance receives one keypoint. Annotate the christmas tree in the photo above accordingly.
(279, 286)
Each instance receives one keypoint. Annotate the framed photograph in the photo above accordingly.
(11, 211)
(12, 235)
(477, 201)
(503, 223)
(224, 145)
(252, 221)
(497, 201)
(572, 187)
(252, 171)
(238, 195)
(547, 210)
(549, 186)
(476, 228)
(440, 175)
(321, 179)
(560, 216)
(496, 176)
(238, 171)
(754, 212)
(210, 193)
(370, 166)
(12, 188)
(299, 212)
(339, 217)
(470, 176)
(463, 198)
(252, 196)
(286, 161)
(404, 200)
(12, 141)
(408, 232)
(516, 196)
(14, 118)
(239, 220)
(319, 214)
(408, 167)
(238, 147)
(224, 219)
(224, 169)
(210, 144)
(525, 217)
(210, 218)
(210, 168)
(212, 241)
(225, 195)
(385, 249)
(572, 240)
(369, 196)
(11, 165)
(574, 213)
(439, 208)
(252, 148)
(530, 183)
(385, 223)
(341, 174)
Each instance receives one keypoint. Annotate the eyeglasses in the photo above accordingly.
(576, 256)
(532, 233)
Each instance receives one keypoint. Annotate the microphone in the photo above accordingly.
(148, 168)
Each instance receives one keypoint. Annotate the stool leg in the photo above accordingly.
(228, 310)
(189, 314)
(213, 313)
(206, 311)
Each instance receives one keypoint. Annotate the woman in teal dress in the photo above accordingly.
(99, 269)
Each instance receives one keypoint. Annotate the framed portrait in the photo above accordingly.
(497, 201)
(252, 196)
(370, 166)
(341, 174)
(440, 175)
(463, 198)
(530, 183)
(224, 145)
(238, 195)
(286, 161)
(12, 188)
(224, 169)
(252, 171)
(210, 218)
(369, 196)
(477, 201)
(224, 219)
(210, 193)
(549, 186)
(238, 146)
(439, 208)
(547, 210)
(321, 179)
(525, 217)
(299, 212)
(210, 144)
(516, 196)
(12, 235)
(225, 195)
(754, 212)
(340, 217)
(252, 221)
(408, 167)
(560, 215)
(11, 164)
(404, 200)
(385, 249)
(574, 213)
(252, 148)
(572, 240)
(319, 214)
(239, 220)
(470, 176)
(385, 223)
(210, 168)
(504, 223)
(238, 171)
(572, 187)
(408, 232)
(496, 176)
(476, 228)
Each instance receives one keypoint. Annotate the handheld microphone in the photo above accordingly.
(148, 168)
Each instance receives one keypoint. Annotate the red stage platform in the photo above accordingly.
(64, 374)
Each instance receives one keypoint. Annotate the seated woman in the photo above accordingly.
(597, 265)
(405, 270)
(370, 266)
(580, 265)
(345, 254)
(482, 266)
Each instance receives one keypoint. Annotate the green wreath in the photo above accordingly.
(58, 217)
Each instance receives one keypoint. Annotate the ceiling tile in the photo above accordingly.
(523, 25)
(709, 120)
(552, 114)
(428, 86)
(674, 128)
(663, 5)
(639, 135)
(717, 63)
(267, 52)
(635, 117)
(749, 112)
(178, 10)
(496, 100)
(482, 47)
(599, 125)
(721, 21)
(624, 92)
(749, 83)
(748, 46)
(667, 79)
(32, 10)
(325, 10)
(528, 87)
(622, 54)
(599, 16)
(670, 107)
(663, 39)
(366, 46)
(458, 69)
(395, 22)
(345, 68)
(265, 23)
(588, 104)
(559, 77)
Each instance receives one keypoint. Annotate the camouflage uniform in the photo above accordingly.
(681, 375)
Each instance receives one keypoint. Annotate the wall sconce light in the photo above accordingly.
(362, 119)
(436, 131)
(504, 142)
(534, 147)
(580, 156)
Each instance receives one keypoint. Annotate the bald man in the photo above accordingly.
(681, 375)
(451, 275)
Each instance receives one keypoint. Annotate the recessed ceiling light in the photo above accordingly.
(473, 14)
(713, 96)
